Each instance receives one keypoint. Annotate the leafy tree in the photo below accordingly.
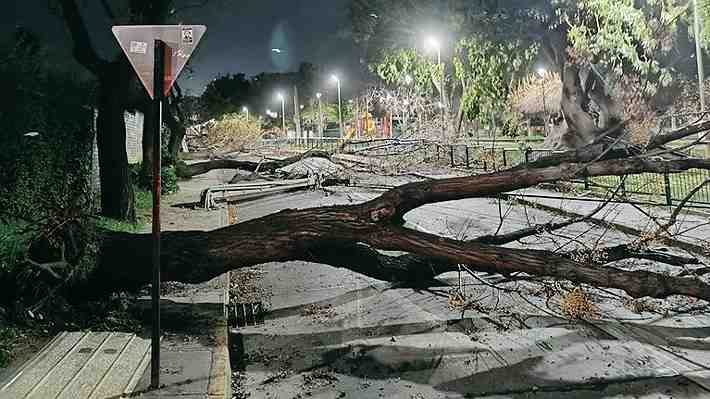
(591, 43)
(226, 94)
(115, 79)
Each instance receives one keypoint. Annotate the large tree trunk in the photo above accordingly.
(186, 171)
(177, 129)
(116, 187)
(330, 235)
(147, 144)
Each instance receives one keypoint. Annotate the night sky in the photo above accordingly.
(240, 36)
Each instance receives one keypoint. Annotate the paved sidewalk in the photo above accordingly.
(194, 350)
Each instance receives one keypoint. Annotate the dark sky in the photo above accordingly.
(240, 36)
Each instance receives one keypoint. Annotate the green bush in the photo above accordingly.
(168, 183)
(8, 336)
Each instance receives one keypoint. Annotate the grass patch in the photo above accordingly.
(8, 336)
(143, 199)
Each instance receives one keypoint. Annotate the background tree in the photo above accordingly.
(114, 77)
(590, 43)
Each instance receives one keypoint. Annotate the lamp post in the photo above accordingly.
(283, 114)
(320, 115)
(434, 43)
(246, 111)
(542, 72)
(699, 58)
(340, 105)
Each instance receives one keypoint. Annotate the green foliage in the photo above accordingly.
(234, 132)
(486, 72)
(396, 67)
(143, 199)
(8, 336)
(620, 36)
(13, 246)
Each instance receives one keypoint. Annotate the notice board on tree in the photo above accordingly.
(137, 42)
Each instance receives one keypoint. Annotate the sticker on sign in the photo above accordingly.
(138, 47)
(187, 36)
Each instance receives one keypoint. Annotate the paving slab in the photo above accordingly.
(80, 365)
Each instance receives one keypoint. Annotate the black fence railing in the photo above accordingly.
(653, 188)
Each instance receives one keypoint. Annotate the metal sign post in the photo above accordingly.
(158, 83)
(172, 47)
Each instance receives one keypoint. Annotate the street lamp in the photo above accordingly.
(542, 72)
(246, 110)
(336, 79)
(434, 43)
(283, 113)
(320, 114)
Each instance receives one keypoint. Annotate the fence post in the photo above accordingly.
(505, 159)
(667, 184)
(451, 152)
(468, 165)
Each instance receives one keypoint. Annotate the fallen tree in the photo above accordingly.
(349, 236)
(185, 170)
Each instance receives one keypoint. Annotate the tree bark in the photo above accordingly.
(148, 141)
(113, 78)
(186, 171)
(329, 235)
(116, 188)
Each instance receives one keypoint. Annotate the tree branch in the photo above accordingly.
(83, 48)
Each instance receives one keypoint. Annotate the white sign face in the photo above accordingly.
(138, 43)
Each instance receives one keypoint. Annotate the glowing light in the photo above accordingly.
(318, 95)
(541, 71)
(408, 79)
(276, 50)
(433, 42)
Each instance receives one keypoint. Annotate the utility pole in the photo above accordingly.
(320, 115)
(699, 54)
(296, 113)
(340, 105)
(701, 70)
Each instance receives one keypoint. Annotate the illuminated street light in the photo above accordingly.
(246, 111)
(436, 45)
(336, 79)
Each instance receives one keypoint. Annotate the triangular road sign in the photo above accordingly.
(137, 41)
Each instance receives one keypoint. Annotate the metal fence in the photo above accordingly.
(648, 188)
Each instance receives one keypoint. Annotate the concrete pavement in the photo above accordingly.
(331, 333)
